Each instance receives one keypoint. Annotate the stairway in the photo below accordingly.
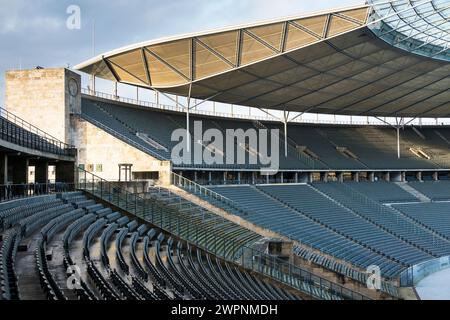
(420, 196)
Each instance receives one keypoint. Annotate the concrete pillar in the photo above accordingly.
(253, 178)
(65, 172)
(419, 176)
(195, 176)
(4, 169)
(387, 176)
(267, 179)
(296, 177)
(41, 172)
(403, 176)
(324, 176)
(282, 177)
(310, 177)
(210, 177)
(225, 178)
(19, 171)
(371, 176)
(435, 176)
(340, 176)
(239, 177)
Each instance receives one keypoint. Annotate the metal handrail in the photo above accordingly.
(33, 129)
(250, 258)
(381, 209)
(181, 181)
(12, 133)
(122, 137)
(148, 104)
(10, 192)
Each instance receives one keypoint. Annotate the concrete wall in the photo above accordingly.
(96, 146)
(42, 98)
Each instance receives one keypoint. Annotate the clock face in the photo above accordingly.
(73, 87)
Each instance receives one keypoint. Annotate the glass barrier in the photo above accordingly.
(413, 275)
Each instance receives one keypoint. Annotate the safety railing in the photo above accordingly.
(375, 206)
(249, 116)
(413, 275)
(20, 132)
(123, 137)
(194, 187)
(202, 191)
(17, 191)
(210, 237)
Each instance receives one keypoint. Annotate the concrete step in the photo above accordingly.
(420, 196)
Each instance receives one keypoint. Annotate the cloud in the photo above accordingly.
(22, 16)
(34, 32)
(17, 25)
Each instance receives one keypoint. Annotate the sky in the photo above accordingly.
(34, 32)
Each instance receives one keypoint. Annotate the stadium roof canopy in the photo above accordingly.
(385, 58)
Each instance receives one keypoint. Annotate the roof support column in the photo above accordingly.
(157, 98)
(115, 90)
(188, 111)
(399, 123)
(285, 121)
(187, 107)
(92, 80)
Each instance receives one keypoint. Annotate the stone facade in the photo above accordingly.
(43, 97)
(97, 147)
(50, 99)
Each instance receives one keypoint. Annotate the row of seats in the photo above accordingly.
(382, 231)
(171, 274)
(8, 278)
(190, 221)
(47, 233)
(391, 237)
(74, 225)
(434, 190)
(390, 221)
(21, 209)
(375, 147)
(342, 269)
(306, 227)
(435, 216)
(14, 133)
(48, 284)
(381, 191)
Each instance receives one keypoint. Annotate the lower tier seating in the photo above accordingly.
(347, 223)
(105, 256)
